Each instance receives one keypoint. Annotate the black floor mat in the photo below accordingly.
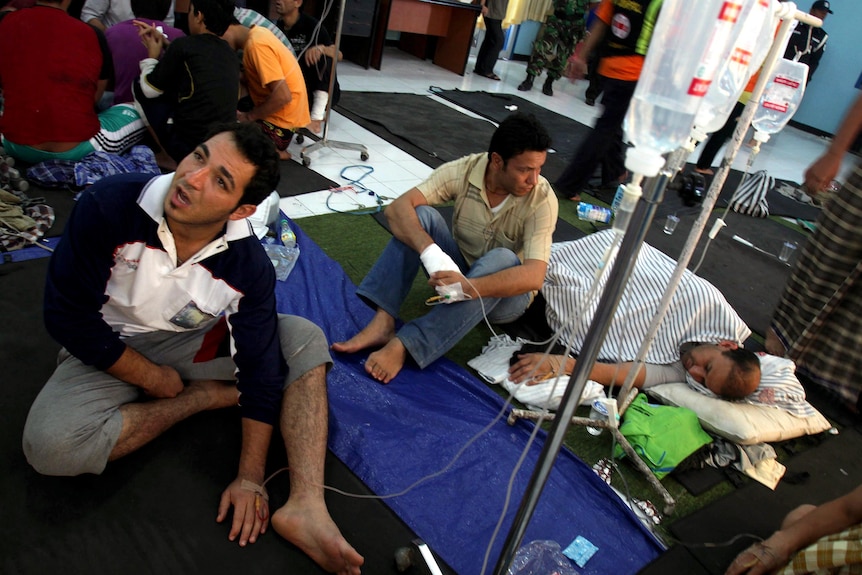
(816, 475)
(751, 281)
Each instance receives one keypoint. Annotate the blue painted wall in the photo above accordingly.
(832, 89)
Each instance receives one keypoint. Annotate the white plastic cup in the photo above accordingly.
(598, 412)
(670, 224)
(787, 249)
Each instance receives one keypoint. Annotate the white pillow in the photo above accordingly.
(742, 423)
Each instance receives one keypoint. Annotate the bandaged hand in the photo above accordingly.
(533, 368)
(434, 259)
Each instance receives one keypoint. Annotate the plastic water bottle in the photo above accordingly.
(591, 213)
(675, 77)
(780, 99)
(283, 256)
(750, 47)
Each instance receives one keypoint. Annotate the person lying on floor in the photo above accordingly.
(724, 368)
(153, 277)
(822, 539)
(505, 214)
(698, 313)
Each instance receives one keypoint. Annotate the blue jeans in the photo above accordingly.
(432, 335)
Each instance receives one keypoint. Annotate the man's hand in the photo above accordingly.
(152, 39)
(821, 173)
(163, 382)
(534, 367)
(579, 68)
(250, 510)
(314, 53)
(447, 277)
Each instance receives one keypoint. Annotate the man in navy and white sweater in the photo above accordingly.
(163, 300)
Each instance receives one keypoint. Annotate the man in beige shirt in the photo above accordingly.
(489, 265)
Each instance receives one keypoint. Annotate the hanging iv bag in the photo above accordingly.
(676, 74)
(747, 55)
(780, 99)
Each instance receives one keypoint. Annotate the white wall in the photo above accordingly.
(832, 89)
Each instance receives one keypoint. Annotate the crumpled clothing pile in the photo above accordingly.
(23, 221)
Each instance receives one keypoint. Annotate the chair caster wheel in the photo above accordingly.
(363, 156)
(306, 161)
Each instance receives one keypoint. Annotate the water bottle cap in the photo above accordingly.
(643, 161)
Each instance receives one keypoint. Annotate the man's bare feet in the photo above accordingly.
(378, 332)
(309, 526)
(219, 394)
(705, 171)
(284, 155)
(773, 345)
(315, 126)
(384, 364)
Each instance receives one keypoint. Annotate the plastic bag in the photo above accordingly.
(541, 558)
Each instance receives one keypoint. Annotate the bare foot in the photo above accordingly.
(385, 364)
(773, 345)
(705, 171)
(284, 155)
(575, 198)
(315, 126)
(219, 393)
(378, 332)
(309, 527)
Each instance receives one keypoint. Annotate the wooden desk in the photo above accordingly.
(448, 23)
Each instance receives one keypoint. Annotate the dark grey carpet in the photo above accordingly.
(751, 281)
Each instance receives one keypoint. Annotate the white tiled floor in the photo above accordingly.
(785, 156)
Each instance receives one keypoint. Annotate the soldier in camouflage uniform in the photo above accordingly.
(555, 43)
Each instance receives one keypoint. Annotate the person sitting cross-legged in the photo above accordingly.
(505, 213)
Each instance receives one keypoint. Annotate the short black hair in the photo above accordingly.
(744, 377)
(151, 9)
(258, 149)
(217, 14)
(517, 134)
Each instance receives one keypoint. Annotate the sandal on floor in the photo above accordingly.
(492, 76)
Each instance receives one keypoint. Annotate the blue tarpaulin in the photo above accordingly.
(392, 436)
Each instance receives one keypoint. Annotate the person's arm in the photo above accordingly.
(106, 74)
(93, 11)
(404, 223)
(593, 38)
(314, 53)
(250, 507)
(823, 170)
(509, 282)
(279, 97)
(827, 519)
(537, 365)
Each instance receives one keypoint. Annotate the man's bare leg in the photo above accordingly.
(379, 331)
(304, 519)
(385, 363)
(143, 422)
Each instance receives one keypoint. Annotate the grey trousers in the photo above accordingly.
(75, 421)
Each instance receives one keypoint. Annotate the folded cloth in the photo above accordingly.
(93, 167)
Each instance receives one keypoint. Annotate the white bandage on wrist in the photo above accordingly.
(318, 105)
(434, 259)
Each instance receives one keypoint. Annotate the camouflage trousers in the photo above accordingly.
(552, 47)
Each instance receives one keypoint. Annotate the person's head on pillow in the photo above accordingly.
(724, 368)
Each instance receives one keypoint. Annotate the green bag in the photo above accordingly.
(662, 435)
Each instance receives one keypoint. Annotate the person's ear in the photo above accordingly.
(727, 344)
(243, 211)
(497, 160)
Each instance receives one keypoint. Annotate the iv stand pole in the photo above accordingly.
(325, 142)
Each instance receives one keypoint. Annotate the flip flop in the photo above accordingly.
(492, 76)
